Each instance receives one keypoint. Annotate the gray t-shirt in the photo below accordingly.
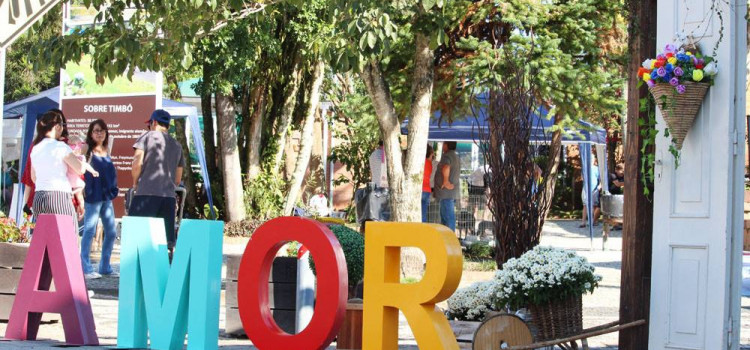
(162, 156)
(449, 158)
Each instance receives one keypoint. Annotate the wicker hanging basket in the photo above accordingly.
(558, 319)
(680, 110)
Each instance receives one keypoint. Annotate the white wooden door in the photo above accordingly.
(698, 207)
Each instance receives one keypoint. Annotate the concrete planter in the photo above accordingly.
(282, 296)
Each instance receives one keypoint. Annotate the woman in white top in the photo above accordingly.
(50, 161)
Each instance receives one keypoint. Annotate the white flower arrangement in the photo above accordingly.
(473, 302)
(542, 275)
(539, 276)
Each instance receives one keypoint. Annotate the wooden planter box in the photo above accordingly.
(12, 257)
(282, 294)
(350, 333)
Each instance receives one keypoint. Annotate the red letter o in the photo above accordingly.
(252, 285)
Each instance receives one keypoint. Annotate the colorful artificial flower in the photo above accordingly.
(650, 83)
(654, 74)
(711, 69)
(674, 81)
(697, 75)
(683, 57)
(680, 89)
(661, 72)
(642, 71)
(646, 77)
(678, 72)
(672, 60)
(647, 64)
(670, 48)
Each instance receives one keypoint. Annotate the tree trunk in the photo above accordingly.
(233, 192)
(242, 142)
(303, 157)
(405, 181)
(191, 201)
(637, 230)
(255, 133)
(551, 174)
(287, 112)
(208, 120)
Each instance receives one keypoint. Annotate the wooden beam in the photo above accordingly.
(637, 235)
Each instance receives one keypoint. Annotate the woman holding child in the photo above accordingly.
(50, 161)
(99, 193)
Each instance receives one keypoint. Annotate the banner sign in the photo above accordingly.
(125, 117)
(124, 104)
(18, 15)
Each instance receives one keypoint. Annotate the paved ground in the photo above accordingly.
(599, 308)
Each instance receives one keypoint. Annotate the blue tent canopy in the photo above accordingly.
(34, 106)
(467, 129)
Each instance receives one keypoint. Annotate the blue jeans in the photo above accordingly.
(425, 205)
(448, 213)
(94, 211)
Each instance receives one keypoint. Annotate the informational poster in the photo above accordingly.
(123, 103)
(125, 117)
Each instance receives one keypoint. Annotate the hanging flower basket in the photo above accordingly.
(680, 110)
(678, 81)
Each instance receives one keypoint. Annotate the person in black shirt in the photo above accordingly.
(617, 180)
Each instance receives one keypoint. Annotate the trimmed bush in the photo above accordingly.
(353, 245)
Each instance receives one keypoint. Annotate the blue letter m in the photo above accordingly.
(168, 303)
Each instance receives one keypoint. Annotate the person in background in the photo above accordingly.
(379, 167)
(29, 188)
(319, 203)
(593, 196)
(617, 180)
(157, 171)
(448, 185)
(99, 193)
(51, 160)
(426, 188)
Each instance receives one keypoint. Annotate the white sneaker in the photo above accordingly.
(91, 294)
(92, 276)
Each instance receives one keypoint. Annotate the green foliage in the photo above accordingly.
(9, 232)
(244, 228)
(21, 79)
(356, 126)
(264, 196)
(560, 45)
(353, 245)
(479, 251)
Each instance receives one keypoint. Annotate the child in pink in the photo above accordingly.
(76, 181)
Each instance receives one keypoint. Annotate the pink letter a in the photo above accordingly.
(53, 252)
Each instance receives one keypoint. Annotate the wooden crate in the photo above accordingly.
(12, 257)
(282, 294)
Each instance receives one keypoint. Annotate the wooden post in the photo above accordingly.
(638, 210)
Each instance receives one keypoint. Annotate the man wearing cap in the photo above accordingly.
(157, 170)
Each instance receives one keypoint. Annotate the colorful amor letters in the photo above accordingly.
(167, 302)
(384, 294)
(53, 253)
(252, 285)
(170, 302)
